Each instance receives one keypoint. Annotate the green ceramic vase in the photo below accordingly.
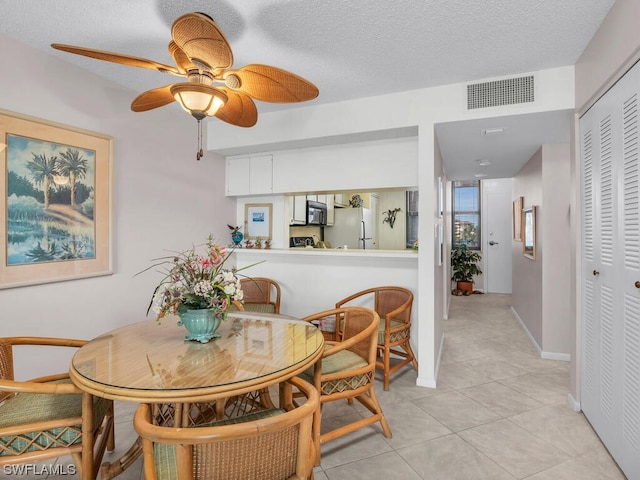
(202, 324)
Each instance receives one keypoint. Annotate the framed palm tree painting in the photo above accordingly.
(56, 194)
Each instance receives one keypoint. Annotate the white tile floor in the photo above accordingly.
(499, 412)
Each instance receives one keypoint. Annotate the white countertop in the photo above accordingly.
(329, 251)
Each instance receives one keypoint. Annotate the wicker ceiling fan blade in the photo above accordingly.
(271, 84)
(240, 110)
(118, 58)
(201, 40)
(157, 97)
(182, 61)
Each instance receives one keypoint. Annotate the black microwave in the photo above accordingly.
(316, 213)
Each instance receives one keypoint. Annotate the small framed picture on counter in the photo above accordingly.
(257, 220)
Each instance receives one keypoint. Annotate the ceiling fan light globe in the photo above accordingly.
(217, 103)
(198, 100)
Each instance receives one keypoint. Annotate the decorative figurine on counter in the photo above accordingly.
(390, 216)
(236, 235)
(248, 243)
(267, 244)
(258, 242)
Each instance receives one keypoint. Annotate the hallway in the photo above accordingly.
(499, 412)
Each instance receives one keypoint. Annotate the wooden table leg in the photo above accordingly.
(109, 470)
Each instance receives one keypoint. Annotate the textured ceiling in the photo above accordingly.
(349, 49)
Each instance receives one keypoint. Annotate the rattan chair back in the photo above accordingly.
(49, 417)
(268, 444)
(261, 294)
(394, 301)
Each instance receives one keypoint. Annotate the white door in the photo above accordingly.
(610, 146)
(497, 240)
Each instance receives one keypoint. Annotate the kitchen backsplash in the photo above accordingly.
(304, 231)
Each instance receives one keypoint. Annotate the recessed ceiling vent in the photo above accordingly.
(500, 92)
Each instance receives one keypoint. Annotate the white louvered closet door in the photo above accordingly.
(611, 267)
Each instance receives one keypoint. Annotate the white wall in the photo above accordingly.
(526, 295)
(381, 117)
(556, 263)
(314, 281)
(163, 199)
(540, 295)
(614, 48)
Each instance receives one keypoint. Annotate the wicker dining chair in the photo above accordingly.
(271, 444)
(48, 417)
(393, 304)
(261, 295)
(347, 370)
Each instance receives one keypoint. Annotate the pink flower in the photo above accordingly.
(205, 262)
(216, 259)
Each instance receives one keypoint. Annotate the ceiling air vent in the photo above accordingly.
(500, 92)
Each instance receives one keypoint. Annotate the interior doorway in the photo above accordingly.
(497, 235)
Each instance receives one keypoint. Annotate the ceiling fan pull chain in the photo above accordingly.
(199, 154)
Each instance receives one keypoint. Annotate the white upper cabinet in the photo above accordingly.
(238, 176)
(298, 210)
(250, 175)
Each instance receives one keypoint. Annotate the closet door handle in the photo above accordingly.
(596, 273)
(637, 284)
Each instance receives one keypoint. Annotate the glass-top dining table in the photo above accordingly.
(147, 362)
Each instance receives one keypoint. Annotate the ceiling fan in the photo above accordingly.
(203, 56)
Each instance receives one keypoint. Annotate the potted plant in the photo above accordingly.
(464, 263)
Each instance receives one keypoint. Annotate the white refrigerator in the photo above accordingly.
(352, 227)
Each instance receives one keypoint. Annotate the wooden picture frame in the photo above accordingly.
(56, 195)
(516, 217)
(529, 228)
(257, 221)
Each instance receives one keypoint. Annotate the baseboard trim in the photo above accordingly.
(526, 331)
(573, 403)
(564, 357)
(426, 382)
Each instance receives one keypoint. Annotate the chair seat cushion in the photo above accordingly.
(164, 454)
(24, 409)
(382, 327)
(342, 361)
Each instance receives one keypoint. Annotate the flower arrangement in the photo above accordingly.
(195, 281)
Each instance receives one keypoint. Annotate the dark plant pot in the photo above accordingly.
(465, 286)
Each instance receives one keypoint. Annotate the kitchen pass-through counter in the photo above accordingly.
(314, 279)
(340, 252)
